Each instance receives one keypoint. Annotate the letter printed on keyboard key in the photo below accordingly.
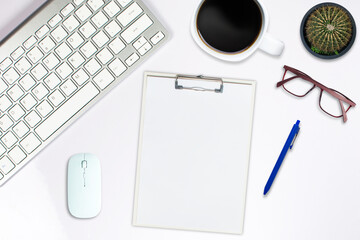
(27, 82)
(21, 129)
(30, 143)
(32, 119)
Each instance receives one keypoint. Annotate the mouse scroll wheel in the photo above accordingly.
(84, 164)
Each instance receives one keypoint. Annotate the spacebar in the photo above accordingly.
(66, 111)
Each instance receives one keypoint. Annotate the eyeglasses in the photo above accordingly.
(331, 101)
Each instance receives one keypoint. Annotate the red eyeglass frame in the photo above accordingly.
(341, 97)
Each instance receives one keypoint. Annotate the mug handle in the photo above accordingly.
(271, 45)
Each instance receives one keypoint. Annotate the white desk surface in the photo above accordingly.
(316, 194)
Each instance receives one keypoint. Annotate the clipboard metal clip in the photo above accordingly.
(197, 88)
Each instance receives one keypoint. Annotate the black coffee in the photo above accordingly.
(229, 25)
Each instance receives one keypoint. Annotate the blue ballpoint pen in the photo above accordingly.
(288, 145)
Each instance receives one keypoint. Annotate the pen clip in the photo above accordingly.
(293, 141)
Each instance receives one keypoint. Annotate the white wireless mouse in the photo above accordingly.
(84, 185)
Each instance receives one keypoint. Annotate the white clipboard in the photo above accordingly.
(193, 153)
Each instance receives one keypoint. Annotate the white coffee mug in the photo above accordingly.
(264, 41)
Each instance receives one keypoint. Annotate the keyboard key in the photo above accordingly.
(103, 79)
(47, 44)
(87, 30)
(83, 13)
(39, 72)
(16, 112)
(42, 31)
(63, 50)
(139, 43)
(11, 76)
(51, 61)
(117, 67)
(75, 40)
(123, 3)
(30, 143)
(71, 23)
(56, 98)
(67, 111)
(100, 39)
(44, 108)
(67, 9)
(6, 165)
(68, 87)
(27, 82)
(104, 56)
(28, 102)
(132, 59)
(144, 49)
(29, 42)
(129, 14)
(78, 2)
(21, 129)
(17, 155)
(80, 77)
(2, 151)
(55, 20)
(15, 93)
(64, 70)
(138, 27)
(112, 28)
(99, 19)
(76, 60)
(35, 55)
(40, 91)
(23, 65)
(52, 81)
(116, 46)
(95, 4)
(3, 86)
(9, 139)
(5, 64)
(5, 123)
(157, 37)
(111, 9)
(59, 34)
(32, 119)
(17, 53)
(5, 103)
(92, 66)
(88, 49)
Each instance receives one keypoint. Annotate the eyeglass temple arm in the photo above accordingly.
(282, 82)
(339, 96)
(343, 111)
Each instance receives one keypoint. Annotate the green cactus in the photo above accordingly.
(329, 29)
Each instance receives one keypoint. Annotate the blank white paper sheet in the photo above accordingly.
(193, 155)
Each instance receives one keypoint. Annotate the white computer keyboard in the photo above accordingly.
(57, 64)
